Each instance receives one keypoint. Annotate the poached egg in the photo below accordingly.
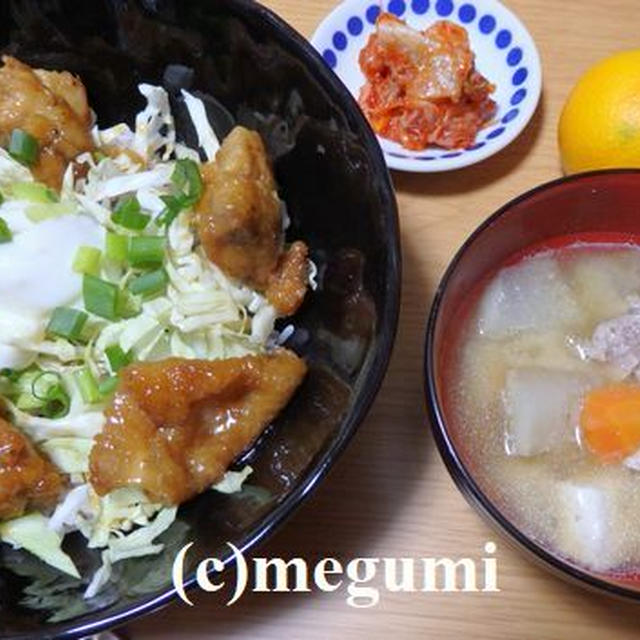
(37, 276)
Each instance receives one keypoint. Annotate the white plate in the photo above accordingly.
(505, 53)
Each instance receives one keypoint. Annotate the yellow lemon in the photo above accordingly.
(600, 124)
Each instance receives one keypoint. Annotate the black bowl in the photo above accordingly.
(600, 206)
(251, 68)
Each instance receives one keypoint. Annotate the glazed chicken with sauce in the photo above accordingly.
(240, 222)
(175, 426)
(52, 107)
(287, 284)
(27, 479)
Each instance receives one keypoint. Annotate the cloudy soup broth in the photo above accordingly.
(547, 400)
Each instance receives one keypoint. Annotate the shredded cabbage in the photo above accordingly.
(233, 480)
(66, 515)
(120, 135)
(207, 139)
(202, 314)
(160, 176)
(81, 425)
(31, 532)
(149, 137)
(11, 170)
(136, 544)
(70, 455)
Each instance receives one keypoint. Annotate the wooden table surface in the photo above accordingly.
(390, 494)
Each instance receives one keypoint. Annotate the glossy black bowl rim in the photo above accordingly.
(460, 473)
(388, 322)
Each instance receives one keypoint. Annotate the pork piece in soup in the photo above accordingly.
(546, 397)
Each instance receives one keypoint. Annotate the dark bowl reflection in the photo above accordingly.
(253, 69)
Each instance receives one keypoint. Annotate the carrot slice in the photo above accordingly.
(610, 421)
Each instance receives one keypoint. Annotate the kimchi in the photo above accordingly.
(422, 87)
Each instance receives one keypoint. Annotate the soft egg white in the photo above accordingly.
(37, 275)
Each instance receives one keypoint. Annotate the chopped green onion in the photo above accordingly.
(179, 175)
(67, 323)
(33, 192)
(100, 297)
(128, 214)
(146, 251)
(26, 401)
(88, 386)
(5, 232)
(127, 305)
(10, 374)
(117, 357)
(48, 395)
(150, 283)
(57, 403)
(108, 385)
(24, 383)
(174, 205)
(186, 173)
(23, 147)
(87, 260)
(42, 381)
(40, 211)
(116, 247)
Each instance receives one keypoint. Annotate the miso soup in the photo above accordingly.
(547, 399)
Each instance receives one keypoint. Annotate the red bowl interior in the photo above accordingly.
(597, 207)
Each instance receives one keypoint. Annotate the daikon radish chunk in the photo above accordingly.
(542, 408)
(588, 525)
(603, 282)
(529, 296)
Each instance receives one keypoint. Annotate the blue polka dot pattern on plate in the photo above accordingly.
(487, 24)
(453, 154)
(518, 96)
(354, 26)
(397, 7)
(339, 41)
(330, 58)
(426, 157)
(495, 133)
(519, 76)
(444, 7)
(420, 6)
(503, 39)
(514, 56)
(477, 145)
(510, 115)
(467, 13)
(372, 13)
